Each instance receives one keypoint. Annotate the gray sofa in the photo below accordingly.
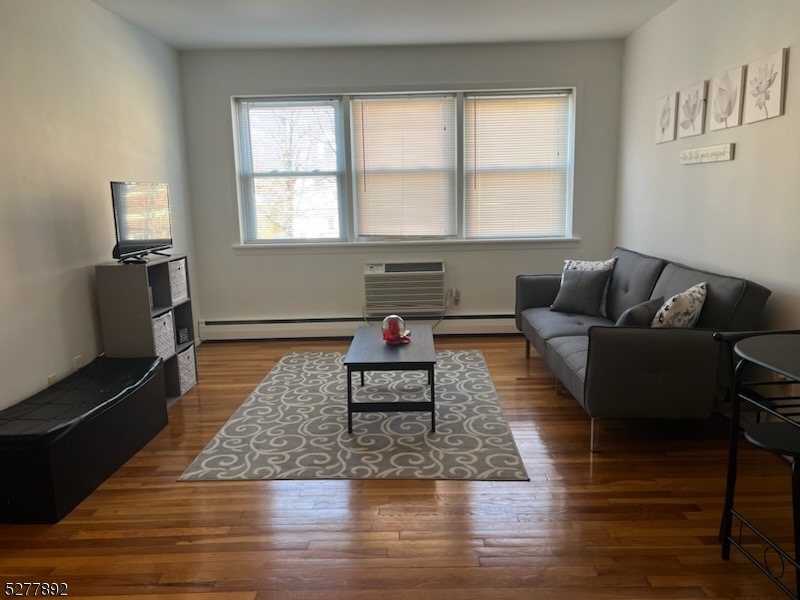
(639, 372)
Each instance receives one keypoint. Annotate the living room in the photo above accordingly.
(89, 98)
(95, 99)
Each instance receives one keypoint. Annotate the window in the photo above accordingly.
(404, 162)
(290, 175)
(516, 165)
(413, 166)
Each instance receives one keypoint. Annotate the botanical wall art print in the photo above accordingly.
(725, 99)
(763, 96)
(692, 109)
(665, 118)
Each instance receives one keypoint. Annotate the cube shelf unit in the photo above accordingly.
(146, 310)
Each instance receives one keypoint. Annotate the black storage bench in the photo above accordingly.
(57, 446)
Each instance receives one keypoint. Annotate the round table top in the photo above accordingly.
(778, 352)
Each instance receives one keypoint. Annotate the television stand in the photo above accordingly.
(142, 258)
(146, 310)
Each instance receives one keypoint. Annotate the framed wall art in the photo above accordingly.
(692, 109)
(666, 109)
(725, 99)
(763, 96)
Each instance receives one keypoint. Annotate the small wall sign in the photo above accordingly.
(707, 154)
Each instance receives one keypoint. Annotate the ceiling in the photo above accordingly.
(230, 24)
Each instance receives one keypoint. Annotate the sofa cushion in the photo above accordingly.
(632, 281)
(549, 324)
(582, 292)
(640, 315)
(683, 309)
(566, 356)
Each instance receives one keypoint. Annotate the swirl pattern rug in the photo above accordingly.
(294, 426)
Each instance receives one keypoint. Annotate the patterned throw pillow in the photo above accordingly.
(682, 310)
(591, 265)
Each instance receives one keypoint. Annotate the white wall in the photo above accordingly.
(737, 217)
(328, 282)
(85, 98)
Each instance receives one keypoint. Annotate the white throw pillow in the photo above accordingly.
(592, 265)
(682, 310)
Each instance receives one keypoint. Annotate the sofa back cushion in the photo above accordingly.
(632, 281)
(732, 303)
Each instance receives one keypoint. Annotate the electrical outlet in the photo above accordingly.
(456, 297)
(450, 297)
(51, 379)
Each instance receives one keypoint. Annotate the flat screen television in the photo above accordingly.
(141, 218)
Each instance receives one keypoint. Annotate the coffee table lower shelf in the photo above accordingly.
(368, 352)
(364, 407)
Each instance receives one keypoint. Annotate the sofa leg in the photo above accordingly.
(594, 437)
(527, 348)
(559, 388)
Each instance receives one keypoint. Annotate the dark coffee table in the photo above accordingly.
(368, 352)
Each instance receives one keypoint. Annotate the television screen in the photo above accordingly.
(141, 217)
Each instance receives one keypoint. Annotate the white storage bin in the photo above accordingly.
(187, 372)
(178, 284)
(164, 335)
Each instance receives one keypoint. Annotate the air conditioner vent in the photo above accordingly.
(406, 289)
(412, 267)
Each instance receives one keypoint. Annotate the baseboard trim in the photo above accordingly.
(257, 329)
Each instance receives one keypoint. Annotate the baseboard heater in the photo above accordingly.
(408, 289)
(344, 327)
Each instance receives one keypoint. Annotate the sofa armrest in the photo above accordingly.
(535, 291)
(643, 372)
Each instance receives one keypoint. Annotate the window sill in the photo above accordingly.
(369, 247)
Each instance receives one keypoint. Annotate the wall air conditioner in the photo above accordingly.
(405, 289)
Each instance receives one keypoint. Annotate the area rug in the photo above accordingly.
(294, 426)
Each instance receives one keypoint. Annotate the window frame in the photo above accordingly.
(349, 235)
(451, 205)
(245, 178)
(567, 170)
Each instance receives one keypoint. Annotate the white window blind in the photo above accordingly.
(516, 165)
(290, 169)
(404, 162)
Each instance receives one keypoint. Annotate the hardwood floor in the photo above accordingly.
(637, 520)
